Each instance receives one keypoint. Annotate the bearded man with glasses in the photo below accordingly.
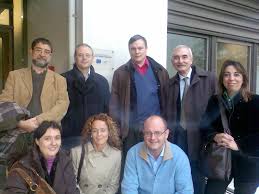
(42, 91)
(155, 165)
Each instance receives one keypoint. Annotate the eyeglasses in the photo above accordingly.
(156, 133)
(88, 56)
(40, 50)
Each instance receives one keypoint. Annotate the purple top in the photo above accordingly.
(49, 163)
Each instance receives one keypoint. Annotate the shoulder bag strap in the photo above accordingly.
(82, 157)
(224, 119)
(33, 186)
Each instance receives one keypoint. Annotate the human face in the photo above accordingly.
(41, 55)
(100, 134)
(84, 58)
(232, 80)
(182, 60)
(155, 135)
(49, 143)
(138, 52)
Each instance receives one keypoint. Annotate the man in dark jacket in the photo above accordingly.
(138, 91)
(88, 93)
(188, 95)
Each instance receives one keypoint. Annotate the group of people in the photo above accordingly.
(151, 140)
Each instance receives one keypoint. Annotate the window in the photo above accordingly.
(4, 17)
(198, 44)
(237, 51)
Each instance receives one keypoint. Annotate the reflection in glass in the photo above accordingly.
(1, 64)
(4, 16)
(197, 44)
(231, 51)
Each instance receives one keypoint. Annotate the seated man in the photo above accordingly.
(41, 91)
(155, 165)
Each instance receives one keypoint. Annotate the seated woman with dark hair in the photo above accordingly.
(46, 160)
(100, 156)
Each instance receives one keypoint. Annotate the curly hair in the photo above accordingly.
(244, 90)
(113, 138)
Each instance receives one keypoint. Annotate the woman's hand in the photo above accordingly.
(226, 140)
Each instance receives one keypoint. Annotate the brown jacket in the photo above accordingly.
(54, 97)
(123, 93)
(64, 178)
(202, 86)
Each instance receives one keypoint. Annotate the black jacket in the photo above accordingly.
(244, 127)
(86, 99)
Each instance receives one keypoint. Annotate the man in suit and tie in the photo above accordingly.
(188, 95)
(42, 91)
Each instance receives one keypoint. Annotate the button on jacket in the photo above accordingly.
(100, 172)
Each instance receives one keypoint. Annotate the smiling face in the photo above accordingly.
(155, 135)
(232, 80)
(49, 144)
(100, 134)
(41, 55)
(138, 52)
(83, 58)
(182, 60)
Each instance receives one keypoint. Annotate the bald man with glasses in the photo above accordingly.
(155, 165)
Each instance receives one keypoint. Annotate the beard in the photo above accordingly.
(40, 63)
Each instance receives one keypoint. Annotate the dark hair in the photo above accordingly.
(85, 45)
(43, 127)
(113, 138)
(135, 38)
(38, 133)
(244, 90)
(43, 41)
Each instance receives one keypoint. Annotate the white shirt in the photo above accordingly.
(182, 82)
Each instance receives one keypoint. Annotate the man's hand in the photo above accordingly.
(28, 125)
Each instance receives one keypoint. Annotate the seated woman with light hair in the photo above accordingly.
(97, 162)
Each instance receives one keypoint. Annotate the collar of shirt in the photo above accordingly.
(106, 150)
(155, 163)
(143, 69)
(188, 75)
(87, 75)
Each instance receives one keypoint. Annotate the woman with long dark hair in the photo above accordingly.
(242, 112)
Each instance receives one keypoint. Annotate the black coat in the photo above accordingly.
(243, 120)
(63, 176)
(86, 99)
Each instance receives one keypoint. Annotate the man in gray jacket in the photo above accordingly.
(188, 95)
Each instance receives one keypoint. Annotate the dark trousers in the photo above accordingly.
(220, 187)
(179, 137)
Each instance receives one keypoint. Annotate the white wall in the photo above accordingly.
(108, 25)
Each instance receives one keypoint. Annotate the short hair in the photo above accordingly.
(244, 90)
(183, 46)
(135, 38)
(43, 127)
(156, 116)
(43, 41)
(113, 138)
(84, 45)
